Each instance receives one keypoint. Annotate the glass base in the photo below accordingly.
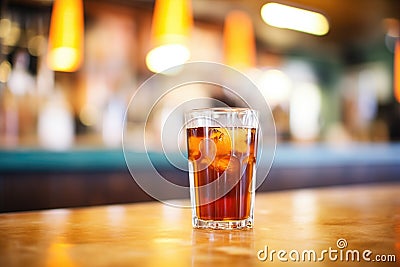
(223, 225)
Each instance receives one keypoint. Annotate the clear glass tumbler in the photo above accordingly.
(222, 152)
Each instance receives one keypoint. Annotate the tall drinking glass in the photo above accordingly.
(222, 151)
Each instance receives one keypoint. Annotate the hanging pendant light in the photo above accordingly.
(293, 18)
(171, 26)
(66, 36)
(239, 42)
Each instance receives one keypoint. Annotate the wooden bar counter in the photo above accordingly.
(355, 225)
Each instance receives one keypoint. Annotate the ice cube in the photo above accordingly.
(240, 139)
(222, 139)
(220, 164)
(231, 173)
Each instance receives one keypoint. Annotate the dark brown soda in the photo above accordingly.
(228, 154)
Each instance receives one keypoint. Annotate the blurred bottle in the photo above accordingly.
(113, 120)
(19, 103)
(56, 128)
(9, 119)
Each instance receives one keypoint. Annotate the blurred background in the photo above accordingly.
(328, 69)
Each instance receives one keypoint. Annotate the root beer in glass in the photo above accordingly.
(222, 146)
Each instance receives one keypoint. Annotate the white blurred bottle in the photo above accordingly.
(56, 129)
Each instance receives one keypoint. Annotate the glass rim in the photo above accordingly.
(221, 110)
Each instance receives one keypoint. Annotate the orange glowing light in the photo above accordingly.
(66, 36)
(396, 69)
(172, 21)
(239, 42)
(171, 27)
